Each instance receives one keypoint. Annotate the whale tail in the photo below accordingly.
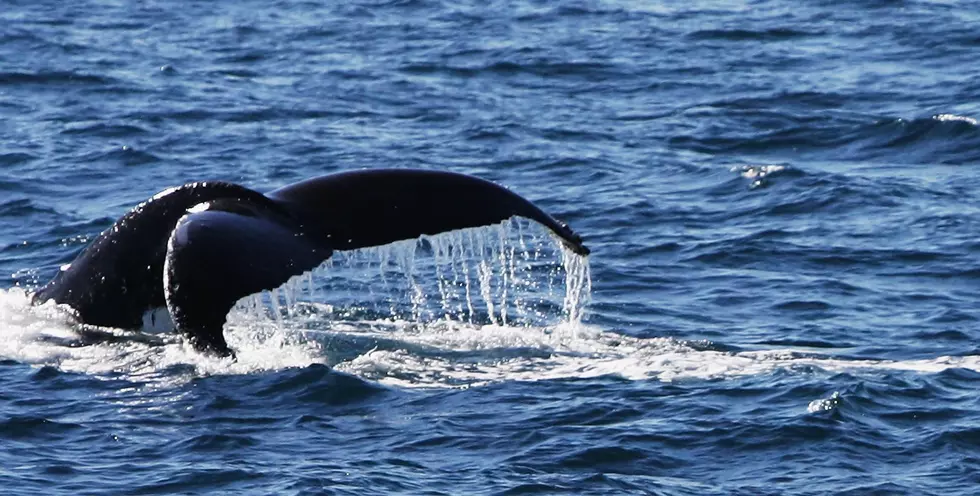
(207, 245)
(378, 206)
(223, 251)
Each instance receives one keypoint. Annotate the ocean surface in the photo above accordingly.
(782, 201)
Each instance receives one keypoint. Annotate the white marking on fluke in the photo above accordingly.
(200, 207)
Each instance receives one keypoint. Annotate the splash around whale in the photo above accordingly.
(196, 249)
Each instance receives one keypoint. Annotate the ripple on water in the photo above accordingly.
(781, 202)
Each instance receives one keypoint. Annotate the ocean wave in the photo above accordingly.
(742, 34)
(806, 123)
(765, 247)
(15, 158)
(541, 68)
(941, 138)
(245, 115)
(105, 130)
(15, 78)
(22, 207)
(34, 428)
(127, 155)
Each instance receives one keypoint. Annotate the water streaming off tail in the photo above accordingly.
(509, 274)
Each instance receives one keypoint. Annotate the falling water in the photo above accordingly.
(513, 273)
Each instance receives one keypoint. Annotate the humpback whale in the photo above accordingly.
(197, 249)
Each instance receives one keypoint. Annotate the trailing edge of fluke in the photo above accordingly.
(199, 248)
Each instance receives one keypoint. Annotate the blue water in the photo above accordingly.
(782, 200)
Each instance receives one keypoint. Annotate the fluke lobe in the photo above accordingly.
(199, 248)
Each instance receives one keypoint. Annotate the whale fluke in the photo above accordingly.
(374, 207)
(199, 248)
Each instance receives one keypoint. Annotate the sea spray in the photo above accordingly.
(509, 274)
(578, 285)
(497, 288)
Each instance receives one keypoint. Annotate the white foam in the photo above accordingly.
(955, 118)
(490, 353)
(825, 404)
(454, 310)
(757, 173)
(576, 351)
(46, 335)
